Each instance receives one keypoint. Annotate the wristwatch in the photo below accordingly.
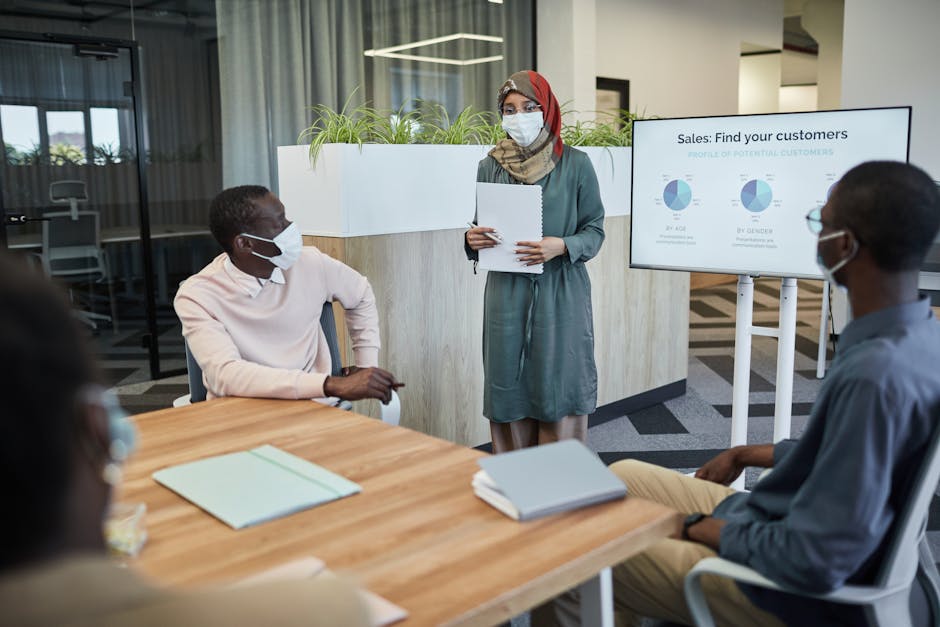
(690, 520)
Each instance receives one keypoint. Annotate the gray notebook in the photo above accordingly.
(251, 487)
(544, 480)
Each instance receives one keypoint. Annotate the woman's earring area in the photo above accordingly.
(112, 473)
(121, 433)
(117, 455)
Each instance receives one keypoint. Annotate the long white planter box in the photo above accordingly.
(383, 189)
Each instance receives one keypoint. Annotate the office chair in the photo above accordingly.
(328, 324)
(908, 562)
(70, 193)
(72, 252)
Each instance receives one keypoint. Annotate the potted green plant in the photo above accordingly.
(365, 171)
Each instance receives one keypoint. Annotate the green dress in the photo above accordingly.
(538, 329)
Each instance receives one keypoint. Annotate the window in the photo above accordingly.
(66, 132)
(105, 135)
(75, 136)
(19, 126)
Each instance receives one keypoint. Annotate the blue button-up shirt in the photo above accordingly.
(820, 518)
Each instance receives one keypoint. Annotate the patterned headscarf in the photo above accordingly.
(531, 164)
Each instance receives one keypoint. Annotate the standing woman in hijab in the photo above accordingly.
(540, 380)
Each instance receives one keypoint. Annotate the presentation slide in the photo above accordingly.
(730, 194)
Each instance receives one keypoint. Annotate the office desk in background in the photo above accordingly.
(416, 535)
(124, 235)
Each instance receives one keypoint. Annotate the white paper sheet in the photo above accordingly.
(515, 211)
(382, 611)
(391, 413)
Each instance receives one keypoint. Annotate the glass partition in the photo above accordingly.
(125, 103)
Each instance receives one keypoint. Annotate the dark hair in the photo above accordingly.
(233, 212)
(893, 208)
(44, 366)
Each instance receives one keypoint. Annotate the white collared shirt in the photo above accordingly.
(252, 284)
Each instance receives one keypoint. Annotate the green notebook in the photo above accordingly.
(251, 487)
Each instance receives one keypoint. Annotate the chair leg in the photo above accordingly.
(84, 316)
(113, 301)
(891, 611)
(695, 599)
(928, 575)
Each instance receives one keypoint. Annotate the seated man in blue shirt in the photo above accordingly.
(820, 519)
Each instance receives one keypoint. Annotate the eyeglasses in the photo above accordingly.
(528, 107)
(815, 222)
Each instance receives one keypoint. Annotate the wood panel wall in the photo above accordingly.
(431, 322)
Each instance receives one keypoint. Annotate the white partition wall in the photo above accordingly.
(382, 189)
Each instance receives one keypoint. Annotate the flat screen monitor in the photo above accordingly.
(930, 271)
(932, 261)
(730, 194)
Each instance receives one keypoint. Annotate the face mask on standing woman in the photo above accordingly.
(524, 128)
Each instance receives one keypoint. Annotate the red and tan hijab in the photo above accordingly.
(528, 165)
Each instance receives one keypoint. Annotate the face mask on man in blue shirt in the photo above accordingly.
(828, 272)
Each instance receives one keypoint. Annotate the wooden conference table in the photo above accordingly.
(415, 535)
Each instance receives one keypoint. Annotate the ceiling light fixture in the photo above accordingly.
(394, 52)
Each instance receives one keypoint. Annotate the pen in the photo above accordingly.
(493, 236)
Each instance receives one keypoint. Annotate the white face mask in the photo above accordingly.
(524, 128)
(830, 273)
(289, 241)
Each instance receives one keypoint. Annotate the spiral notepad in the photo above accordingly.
(515, 211)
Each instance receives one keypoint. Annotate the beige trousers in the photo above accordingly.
(526, 432)
(650, 583)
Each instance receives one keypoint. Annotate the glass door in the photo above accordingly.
(74, 174)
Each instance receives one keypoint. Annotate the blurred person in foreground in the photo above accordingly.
(63, 439)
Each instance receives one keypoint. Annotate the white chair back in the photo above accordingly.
(69, 192)
(901, 558)
(72, 246)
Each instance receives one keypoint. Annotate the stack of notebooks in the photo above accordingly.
(542, 480)
(251, 487)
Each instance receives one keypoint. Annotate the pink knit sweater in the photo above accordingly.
(262, 338)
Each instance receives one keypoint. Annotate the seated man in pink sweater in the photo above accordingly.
(252, 316)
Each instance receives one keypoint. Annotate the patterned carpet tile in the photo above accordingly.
(756, 410)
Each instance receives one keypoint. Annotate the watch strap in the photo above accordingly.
(690, 520)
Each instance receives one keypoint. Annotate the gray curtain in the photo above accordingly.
(279, 57)
(276, 59)
(395, 82)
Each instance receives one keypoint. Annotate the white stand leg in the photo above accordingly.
(841, 310)
(823, 333)
(786, 346)
(597, 600)
(742, 366)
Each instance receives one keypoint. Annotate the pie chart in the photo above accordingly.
(677, 195)
(756, 195)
